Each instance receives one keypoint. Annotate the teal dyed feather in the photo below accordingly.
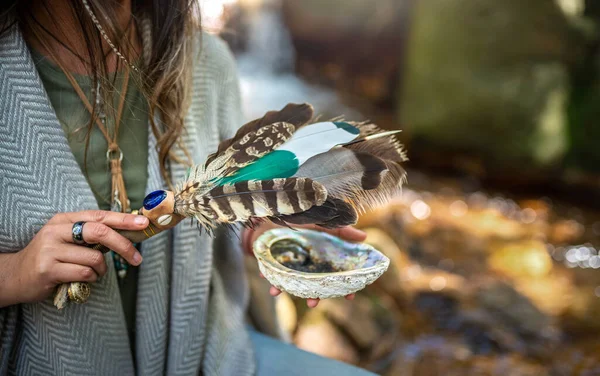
(305, 143)
(277, 164)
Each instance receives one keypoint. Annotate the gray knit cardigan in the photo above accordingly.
(191, 301)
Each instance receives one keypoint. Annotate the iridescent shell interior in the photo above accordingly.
(317, 252)
(314, 264)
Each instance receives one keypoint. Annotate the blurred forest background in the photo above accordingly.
(494, 243)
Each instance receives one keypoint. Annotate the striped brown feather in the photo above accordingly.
(295, 114)
(387, 148)
(265, 198)
(255, 144)
(391, 152)
(333, 213)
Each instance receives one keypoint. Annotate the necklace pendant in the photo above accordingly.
(116, 205)
(121, 265)
(99, 107)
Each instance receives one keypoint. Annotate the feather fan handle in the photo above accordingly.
(295, 114)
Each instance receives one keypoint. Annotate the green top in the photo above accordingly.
(132, 139)
(74, 119)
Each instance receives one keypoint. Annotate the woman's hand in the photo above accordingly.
(52, 258)
(347, 233)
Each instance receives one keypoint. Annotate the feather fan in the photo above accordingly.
(285, 169)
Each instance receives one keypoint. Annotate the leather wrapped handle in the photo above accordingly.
(159, 209)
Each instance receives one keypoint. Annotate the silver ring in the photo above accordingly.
(77, 233)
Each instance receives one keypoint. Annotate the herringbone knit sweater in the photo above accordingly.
(192, 292)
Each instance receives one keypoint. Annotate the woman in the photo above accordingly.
(102, 102)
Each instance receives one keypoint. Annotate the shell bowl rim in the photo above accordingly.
(264, 241)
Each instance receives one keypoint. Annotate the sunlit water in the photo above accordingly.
(267, 74)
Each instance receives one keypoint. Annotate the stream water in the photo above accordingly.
(266, 69)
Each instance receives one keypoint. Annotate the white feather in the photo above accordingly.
(315, 139)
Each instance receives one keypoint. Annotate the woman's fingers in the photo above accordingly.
(311, 303)
(64, 273)
(73, 254)
(347, 233)
(121, 221)
(97, 233)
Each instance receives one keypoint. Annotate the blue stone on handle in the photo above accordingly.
(154, 199)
